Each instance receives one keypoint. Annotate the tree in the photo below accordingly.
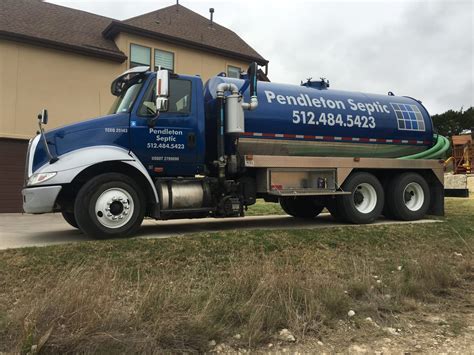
(454, 122)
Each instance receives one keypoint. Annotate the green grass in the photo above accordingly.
(261, 208)
(145, 295)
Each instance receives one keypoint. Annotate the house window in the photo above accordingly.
(164, 59)
(233, 72)
(139, 56)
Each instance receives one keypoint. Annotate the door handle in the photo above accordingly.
(191, 140)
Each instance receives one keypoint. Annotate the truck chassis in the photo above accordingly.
(300, 175)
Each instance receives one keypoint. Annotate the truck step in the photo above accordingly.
(187, 210)
(306, 192)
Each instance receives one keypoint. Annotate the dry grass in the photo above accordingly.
(176, 295)
(87, 311)
(426, 277)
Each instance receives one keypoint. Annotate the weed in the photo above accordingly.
(428, 276)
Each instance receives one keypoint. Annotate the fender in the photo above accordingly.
(71, 164)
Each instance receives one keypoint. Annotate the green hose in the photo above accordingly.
(435, 152)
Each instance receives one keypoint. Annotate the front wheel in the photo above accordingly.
(70, 218)
(110, 205)
(365, 203)
(301, 207)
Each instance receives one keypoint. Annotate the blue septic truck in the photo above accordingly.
(172, 147)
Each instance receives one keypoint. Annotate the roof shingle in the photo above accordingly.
(56, 25)
(35, 21)
(182, 23)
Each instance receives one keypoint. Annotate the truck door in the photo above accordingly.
(169, 147)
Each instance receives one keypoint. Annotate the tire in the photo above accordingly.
(70, 218)
(408, 197)
(365, 203)
(301, 207)
(331, 205)
(386, 211)
(110, 206)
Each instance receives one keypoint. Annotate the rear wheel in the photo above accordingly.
(331, 206)
(301, 207)
(365, 203)
(110, 205)
(408, 197)
(70, 218)
(386, 211)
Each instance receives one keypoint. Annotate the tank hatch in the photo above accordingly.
(321, 84)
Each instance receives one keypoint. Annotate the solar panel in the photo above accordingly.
(409, 117)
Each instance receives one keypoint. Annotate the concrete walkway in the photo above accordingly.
(22, 230)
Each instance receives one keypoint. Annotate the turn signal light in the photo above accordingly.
(40, 178)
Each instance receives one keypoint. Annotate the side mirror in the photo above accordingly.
(162, 90)
(162, 83)
(161, 104)
(252, 77)
(43, 116)
(162, 94)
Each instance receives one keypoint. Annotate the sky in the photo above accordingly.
(423, 49)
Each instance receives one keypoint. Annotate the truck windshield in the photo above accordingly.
(124, 102)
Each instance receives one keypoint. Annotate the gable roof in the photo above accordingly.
(55, 26)
(34, 21)
(177, 23)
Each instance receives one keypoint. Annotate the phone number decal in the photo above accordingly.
(330, 119)
(164, 146)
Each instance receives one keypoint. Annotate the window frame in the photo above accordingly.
(130, 56)
(154, 59)
(152, 84)
(233, 67)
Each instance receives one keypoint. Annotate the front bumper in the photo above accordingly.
(40, 199)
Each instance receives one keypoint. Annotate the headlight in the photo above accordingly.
(40, 177)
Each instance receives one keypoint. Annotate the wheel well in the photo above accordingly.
(385, 174)
(69, 192)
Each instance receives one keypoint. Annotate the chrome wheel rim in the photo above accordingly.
(365, 198)
(413, 196)
(114, 208)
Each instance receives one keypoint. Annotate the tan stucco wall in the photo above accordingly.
(75, 87)
(186, 60)
(72, 87)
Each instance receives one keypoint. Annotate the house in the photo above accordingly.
(64, 60)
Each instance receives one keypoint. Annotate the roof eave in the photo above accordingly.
(115, 27)
(93, 52)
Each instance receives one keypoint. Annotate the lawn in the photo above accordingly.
(261, 208)
(176, 295)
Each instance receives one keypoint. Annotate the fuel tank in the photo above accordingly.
(313, 120)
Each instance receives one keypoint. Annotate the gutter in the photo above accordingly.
(89, 51)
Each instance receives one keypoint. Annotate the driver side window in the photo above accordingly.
(179, 100)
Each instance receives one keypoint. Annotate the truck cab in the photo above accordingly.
(147, 157)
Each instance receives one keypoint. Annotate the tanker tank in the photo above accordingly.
(313, 120)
